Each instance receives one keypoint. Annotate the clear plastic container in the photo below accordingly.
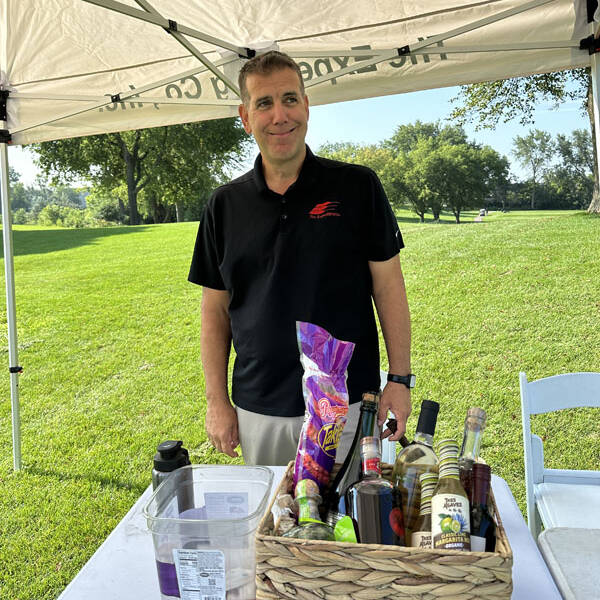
(207, 551)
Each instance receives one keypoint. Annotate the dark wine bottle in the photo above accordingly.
(374, 504)
(334, 503)
(483, 528)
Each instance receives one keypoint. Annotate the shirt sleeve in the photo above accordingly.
(204, 269)
(385, 239)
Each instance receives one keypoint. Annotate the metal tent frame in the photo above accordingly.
(147, 13)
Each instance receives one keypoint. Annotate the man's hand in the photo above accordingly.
(222, 427)
(395, 397)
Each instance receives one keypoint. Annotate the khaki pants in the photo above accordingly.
(267, 440)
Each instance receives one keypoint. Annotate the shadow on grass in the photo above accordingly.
(105, 481)
(41, 241)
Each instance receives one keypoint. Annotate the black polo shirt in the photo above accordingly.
(300, 256)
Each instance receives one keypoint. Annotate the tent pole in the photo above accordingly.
(11, 313)
(595, 71)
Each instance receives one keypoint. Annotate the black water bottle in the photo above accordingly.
(171, 455)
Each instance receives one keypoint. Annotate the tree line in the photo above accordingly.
(430, 167)
(167, 173)
(152, 175)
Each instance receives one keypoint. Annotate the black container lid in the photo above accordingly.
(170, 456)
(428, 417)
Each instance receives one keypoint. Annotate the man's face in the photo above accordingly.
(277, 115)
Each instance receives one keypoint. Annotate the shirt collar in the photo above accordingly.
(305, 178)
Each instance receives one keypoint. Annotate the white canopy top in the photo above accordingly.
(82, 67)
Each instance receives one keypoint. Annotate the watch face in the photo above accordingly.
(412, 379)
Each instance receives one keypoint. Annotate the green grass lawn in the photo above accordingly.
(109, 341)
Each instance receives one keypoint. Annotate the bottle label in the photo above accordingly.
(372, 464)
(421, 539)
(450, 522)
(477, 544)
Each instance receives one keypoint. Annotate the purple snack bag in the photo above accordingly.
(325, 361)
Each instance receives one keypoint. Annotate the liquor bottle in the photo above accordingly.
(450, 516)
(483, 528)
(310, 526)
(474, 426)
(373, 502)
(421, 536)
(416, 458)
(350, 471)
(285, 518)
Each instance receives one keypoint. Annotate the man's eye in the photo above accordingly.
(263, 104)
(291, 100)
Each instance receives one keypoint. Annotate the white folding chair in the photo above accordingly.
(557, 497)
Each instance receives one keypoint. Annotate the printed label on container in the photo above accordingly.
(421, 539)
(200, 574)
(223, 505)
(477, 544)
(450, 522)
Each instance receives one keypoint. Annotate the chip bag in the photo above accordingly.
(325, 362)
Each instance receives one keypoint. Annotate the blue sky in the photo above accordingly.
(372, 120)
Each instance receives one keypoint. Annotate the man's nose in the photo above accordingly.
(279, 113)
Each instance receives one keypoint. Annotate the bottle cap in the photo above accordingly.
(475, 420)
(370, 401)
(428, 417)
(307, 488)
(370, 446)
(170, 456)
(428, 482)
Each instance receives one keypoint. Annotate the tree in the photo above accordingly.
(374, 156)
(406, 177)
(491, 102)
(534, 151)
(406, 137)
(159, 157)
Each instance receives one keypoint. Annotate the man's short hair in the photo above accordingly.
(265, 64)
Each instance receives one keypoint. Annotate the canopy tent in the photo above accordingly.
(81, 67)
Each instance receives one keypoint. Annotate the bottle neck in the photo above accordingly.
(371, 467)
(308, 510)
(470, 446)
(423, 438)
(366, 425)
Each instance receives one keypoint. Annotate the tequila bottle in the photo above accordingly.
(310, 526)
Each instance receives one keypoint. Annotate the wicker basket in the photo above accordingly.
(319, 570)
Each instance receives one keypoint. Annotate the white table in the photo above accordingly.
(123, 568)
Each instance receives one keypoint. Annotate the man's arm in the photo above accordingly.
(215, 342)
(389, 294)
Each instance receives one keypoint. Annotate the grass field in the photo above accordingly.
(109, 341)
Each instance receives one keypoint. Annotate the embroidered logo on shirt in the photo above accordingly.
(325, 209)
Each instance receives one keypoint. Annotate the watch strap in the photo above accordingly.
(403, 379)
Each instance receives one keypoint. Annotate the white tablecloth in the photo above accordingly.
(123, 568)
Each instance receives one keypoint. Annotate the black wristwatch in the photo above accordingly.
(407, 380)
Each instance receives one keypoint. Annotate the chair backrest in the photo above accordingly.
(571, 390)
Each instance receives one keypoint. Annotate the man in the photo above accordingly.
(298, 238)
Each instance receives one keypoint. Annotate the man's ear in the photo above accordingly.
(243, 112)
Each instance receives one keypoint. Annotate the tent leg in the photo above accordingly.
(595, 71)
(11, 313)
